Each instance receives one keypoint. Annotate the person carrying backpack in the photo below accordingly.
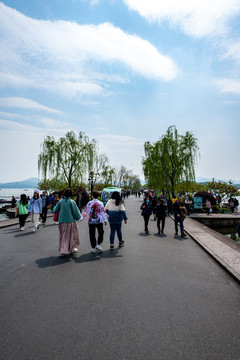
(97, 217)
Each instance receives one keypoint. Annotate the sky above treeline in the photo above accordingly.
(122, 72)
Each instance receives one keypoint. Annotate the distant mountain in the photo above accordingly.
(203, 180)
(24, 184)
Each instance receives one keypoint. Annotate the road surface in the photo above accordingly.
(158, 297)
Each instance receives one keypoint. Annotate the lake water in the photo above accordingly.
(228, 231)
(6, 194)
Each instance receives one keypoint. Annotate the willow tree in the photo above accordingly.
(107, 175)
(96, 162)
(170, 160)
(65, 158)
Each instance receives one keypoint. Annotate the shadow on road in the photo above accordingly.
(179, 238)
(57, 260)
(52, 261)
(160, 235)
(12, 231)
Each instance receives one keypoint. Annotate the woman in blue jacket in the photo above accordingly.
(117, 213)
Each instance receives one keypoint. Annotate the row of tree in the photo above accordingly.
(169, 165)
(75, 160)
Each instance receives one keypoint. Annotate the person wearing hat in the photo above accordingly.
(35, 209)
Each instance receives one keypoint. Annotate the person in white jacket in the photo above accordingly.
(97, 217)
(117, 213)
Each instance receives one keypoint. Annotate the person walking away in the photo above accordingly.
(45, 206)
(178, 207)
(169, 206)
(154, 205)
(116, 214)
(13, 202)
(97, 217)
(146, 208)
(187, 204)
(208, 206)
(22, 211)
(35, 209)
(55, 201)
(161, 215)
(69, 213)
(79, 201)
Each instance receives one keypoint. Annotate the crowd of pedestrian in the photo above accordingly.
(160, 207)
(68, 212)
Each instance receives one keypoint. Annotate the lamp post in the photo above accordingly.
(92, 179)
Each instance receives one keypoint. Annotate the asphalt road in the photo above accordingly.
(158, 297)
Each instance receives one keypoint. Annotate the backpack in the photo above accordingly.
(94, 219)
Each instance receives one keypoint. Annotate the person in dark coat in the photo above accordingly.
(178, 207)
(146, 208)
(161, 215)
(154, 205)
(79, 201)
(45, 206)
(13, 203)
(169, 206)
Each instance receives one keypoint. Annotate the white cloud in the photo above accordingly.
(68, 58)
(69, 88)
(231, 86)
(52, 124)
(22, 103)
(14, 80)
(122, 149)
(232, 50)
(120, 143)
(195, 17)
(13, 126)
(5, 115)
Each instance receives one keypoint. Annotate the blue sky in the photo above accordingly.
(122, 71)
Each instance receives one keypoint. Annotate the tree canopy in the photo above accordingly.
(170, 160)
(66, 158)
(67, 161)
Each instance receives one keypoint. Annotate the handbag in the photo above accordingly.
(55, 217)
(183, 213)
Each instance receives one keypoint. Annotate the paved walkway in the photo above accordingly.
(225, 251)
(158, 297)
(15, 221)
